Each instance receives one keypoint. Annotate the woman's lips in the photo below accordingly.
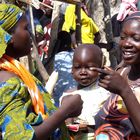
(128, 54)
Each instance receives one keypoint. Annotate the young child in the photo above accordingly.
(86, 58)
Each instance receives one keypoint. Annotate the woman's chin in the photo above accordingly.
(129, 61)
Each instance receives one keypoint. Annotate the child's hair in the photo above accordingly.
(100, 51)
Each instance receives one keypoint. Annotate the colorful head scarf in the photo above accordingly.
(9, 15)
(135, 15)
(127, 7)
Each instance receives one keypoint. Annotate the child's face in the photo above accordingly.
(82, 70)
(130, 41)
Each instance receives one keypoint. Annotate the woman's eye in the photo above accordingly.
(122, 37)
(136, 38)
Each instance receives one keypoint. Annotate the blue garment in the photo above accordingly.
(63, 64)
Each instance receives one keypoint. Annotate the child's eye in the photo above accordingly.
(76, 67)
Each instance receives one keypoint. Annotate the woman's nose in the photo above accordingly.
(127, 42)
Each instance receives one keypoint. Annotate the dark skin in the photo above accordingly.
(20, 45)
(130, 45)
(86, 58)
(97, 38)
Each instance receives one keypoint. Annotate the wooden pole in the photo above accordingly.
(40, 66)
(78, 24)
(54, 32)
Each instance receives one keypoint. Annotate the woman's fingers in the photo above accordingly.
(102, 71)
(108, 68)
(104, 82)
(103, 85)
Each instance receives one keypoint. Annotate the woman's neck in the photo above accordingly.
(134, 72)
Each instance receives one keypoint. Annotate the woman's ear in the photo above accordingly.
(12, 40)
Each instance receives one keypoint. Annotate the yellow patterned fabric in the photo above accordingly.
(24, 103)
(9, 64)
(17, 117)
(9, 15)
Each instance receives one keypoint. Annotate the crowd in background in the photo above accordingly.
(89, 99)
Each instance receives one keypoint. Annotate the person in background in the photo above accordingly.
(120, 116)
(86, 58)
(127, 7)
(41, 41)
(45, 20)
(89, 30)
(63, 55)
(26, 110)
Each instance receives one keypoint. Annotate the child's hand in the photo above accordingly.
(72, 104)
(112, 81)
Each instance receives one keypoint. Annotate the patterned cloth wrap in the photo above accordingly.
(24, 102)
(113, 121)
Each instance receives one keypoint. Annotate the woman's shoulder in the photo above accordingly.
(122, 68)
(6, 75)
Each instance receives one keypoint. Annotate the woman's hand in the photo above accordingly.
(113, 81)
(72, 105)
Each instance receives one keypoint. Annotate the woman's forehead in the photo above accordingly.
(132, 25)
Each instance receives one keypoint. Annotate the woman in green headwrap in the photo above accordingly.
(26, 108)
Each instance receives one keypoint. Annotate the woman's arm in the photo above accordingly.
(115, 83)
(133, 107)
(71, 107)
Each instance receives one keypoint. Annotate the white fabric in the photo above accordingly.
(93, 98)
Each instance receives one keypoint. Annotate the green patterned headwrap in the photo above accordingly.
(9, 15)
